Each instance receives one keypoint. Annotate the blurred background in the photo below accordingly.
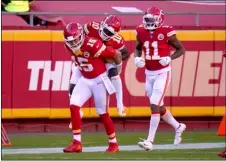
(36, 70)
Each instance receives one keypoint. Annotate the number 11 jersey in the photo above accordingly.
(155, 45)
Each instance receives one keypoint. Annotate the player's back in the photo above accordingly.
(87, 58)
(155, 45)
(92, 29)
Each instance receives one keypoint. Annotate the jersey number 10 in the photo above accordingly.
(155, 55)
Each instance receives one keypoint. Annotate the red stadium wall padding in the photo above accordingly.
(36, 72)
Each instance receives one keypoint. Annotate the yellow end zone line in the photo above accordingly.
(129, 35)
(54, 113)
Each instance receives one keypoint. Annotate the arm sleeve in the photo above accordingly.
(104, 51)
(171, 31)
(87, 27)
(137, 31)
(108, 52)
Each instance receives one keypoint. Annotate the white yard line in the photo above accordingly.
(122, 148)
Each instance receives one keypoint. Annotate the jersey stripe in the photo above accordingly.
(86, 28)
(171, 33)
(103, 47)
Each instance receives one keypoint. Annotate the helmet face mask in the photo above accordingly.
(74, 36)
(74, 43)
(110, 26)
(106, 32)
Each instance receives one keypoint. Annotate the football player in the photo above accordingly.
(108, 32)
(155, 39)
(89, 56)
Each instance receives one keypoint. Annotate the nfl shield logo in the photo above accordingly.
(86, 54)
(160, 37)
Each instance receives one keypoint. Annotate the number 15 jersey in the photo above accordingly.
(155, 45)
(90, 58)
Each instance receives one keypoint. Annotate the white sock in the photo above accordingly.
(117, 83)
(77, 137)
(154, 123)
(168, 118)
(113, 140)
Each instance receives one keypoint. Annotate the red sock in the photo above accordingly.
(76, 122)
(109, 126)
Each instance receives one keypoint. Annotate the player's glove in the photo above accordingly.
(139, 61)
(165, 60)
(119, 68)
(122, 111)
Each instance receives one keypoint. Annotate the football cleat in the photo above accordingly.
(178, 134)
(112, 148)
(222, 154)
(74, 147)
(145, 144)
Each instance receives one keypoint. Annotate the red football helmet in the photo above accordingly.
(109, 27)
(74, 35)
(153, 18)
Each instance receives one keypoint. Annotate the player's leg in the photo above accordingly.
(161, 84)
(166, 114)
(147, 144)
(178, 127)
(101, 100)
(80, 95)
(117, 83)
(75, 76)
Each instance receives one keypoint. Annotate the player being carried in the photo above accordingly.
(89, 56)
(156, 40)
(107, 31)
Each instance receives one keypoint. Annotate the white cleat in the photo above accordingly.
(146, 145)
(178, 134)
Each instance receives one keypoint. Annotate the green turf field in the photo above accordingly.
(99, 139)
(138, 155)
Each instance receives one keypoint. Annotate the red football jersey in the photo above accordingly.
(90, 58)
(92, 30)
(155, 45)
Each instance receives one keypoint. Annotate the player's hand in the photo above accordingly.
(165, 60)
(139, 61)
(119, 68)
(122, 112)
